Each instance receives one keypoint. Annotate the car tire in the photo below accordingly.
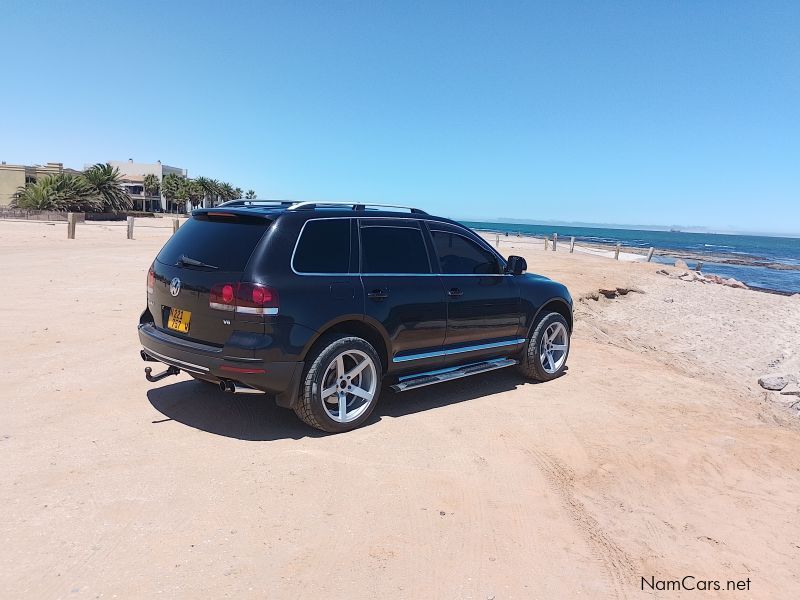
(545, 359)
(339, 366)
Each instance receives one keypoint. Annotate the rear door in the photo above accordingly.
(484, 312)
(401, 291)
(209, 249)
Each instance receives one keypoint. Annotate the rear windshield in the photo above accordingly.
(225, 243)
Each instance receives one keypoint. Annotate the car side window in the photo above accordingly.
(387, 249)
(461, 256)
(324, 247)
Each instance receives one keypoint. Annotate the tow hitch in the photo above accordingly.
(170, 371)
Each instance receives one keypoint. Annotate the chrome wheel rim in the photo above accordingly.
(348, 386)
(553, 347)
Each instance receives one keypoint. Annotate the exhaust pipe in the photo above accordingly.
(146, 357)
(226, 385)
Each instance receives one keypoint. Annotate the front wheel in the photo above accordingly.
(545, 354)
(341, 384)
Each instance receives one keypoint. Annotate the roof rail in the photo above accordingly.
(242, 202)
(351, 205)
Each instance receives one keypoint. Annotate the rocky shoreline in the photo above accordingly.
(711, 257)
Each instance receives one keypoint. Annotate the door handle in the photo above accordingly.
(378, 294)
(455, 292)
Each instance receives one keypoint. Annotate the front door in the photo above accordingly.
(484, 314)
(402, 293)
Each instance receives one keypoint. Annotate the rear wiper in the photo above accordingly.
(193, 262)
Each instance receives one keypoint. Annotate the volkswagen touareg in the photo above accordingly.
(320, 305)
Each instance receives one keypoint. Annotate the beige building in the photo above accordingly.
(13, 177)
(133, 181)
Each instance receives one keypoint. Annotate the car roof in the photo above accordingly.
(271, 209)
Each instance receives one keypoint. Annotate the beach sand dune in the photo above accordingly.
(656, 455)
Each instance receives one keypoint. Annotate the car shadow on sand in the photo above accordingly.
(256, 418)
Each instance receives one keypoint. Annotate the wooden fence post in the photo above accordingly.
(616, 252)
(72, 220)
(545, 243)
(175, 224)
(650, 254)
(130, 228)
(572, 244)
(555, 241)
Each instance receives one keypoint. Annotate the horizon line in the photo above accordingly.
(699, 229)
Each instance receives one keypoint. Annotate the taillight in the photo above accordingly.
(250, 298)
(256, 299)
(151, 280)
(223, 296)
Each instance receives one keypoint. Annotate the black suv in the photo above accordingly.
(319, 304)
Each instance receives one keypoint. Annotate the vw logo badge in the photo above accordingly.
(175, 286)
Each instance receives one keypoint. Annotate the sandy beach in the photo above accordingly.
(656, 455)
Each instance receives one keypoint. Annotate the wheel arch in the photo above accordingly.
(359, 328)
(557, 305)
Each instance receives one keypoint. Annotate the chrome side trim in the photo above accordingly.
(175, 362)
(250, 310)
(420, 356)
(462, 350)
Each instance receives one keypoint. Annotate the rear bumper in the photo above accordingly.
(209, 362)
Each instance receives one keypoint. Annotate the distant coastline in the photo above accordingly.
(674, 228)
(766, 262)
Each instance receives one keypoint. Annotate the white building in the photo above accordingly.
(133, 181)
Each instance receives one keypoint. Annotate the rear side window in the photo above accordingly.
(393, 250)
(324, 247)
(459, 255)
(225, 243)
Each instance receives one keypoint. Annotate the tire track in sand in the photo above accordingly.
(615, 561)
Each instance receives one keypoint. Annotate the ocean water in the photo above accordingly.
(781, 250)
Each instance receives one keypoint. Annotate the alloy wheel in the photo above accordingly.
(348, 386)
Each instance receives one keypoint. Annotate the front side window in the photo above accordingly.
(393, 250)
(461, 256)
(324, 247)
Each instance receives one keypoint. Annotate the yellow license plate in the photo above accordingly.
(179, 320)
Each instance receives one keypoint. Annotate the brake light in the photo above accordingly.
(249, 298)
(256, 299)
(222, 296)
(151, 280)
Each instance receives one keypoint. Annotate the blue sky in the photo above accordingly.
(610, 112)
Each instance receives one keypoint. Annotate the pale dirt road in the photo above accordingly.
(487, 487)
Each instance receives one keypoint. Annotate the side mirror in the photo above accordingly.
(516, 265)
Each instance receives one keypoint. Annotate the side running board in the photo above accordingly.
(410, 382)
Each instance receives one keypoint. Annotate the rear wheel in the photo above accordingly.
(547, 348)
(341, 385)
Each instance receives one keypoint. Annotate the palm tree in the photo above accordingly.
(151, 187)
(171, 186)
(239, 193)
(211, 190)
(105, 183)
(192, 191)
(40, 195)
(227, 192)
(250, 195)
(61, 192)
